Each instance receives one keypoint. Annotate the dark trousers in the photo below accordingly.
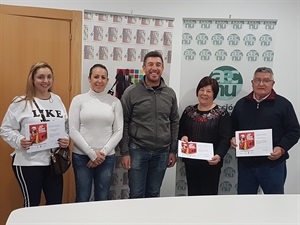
(270, 176)
(202, 179)
(35, 179)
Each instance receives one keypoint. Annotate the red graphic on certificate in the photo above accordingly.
(45, 135)
(188, 148)
(246, 140)
(38, 133)
(195, 150)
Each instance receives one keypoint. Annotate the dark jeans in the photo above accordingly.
(84, 177)
(269, 176)
(147, 171)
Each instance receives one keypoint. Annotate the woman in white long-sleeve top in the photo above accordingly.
(96, 127)
(32, 169)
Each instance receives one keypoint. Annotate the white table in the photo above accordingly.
(214, 210)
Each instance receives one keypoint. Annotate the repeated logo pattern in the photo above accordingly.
(116, 37)
(240, 40)
(118, 41)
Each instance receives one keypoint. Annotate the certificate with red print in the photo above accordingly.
(195, 150)
(44, 135)
(253, 142)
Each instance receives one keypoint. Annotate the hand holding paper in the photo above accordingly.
(44, 135)
(253, 143)
(195, 150)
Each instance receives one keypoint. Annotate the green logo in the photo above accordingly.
(189, 54)
(236, 55)
(229, 172)
(268, 56)
(265, 40)
(221, 24)
(270, 25)
(237, 25)
(189, 24)
(230, 82)
(249, 40)
(228, 158)
(201, 39)
(217, 39)
(233, 39)
(205, 24)
(253, 25)
(186, 38)
(225, 186)
(252, 56)
(205, 54)
(220, 55)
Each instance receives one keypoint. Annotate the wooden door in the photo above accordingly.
(28, 35)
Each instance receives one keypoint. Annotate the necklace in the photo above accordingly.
(50, 99)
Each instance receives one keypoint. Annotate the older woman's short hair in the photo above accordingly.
(205, 81)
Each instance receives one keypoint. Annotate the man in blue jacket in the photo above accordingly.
(151, 122)
(264, 109)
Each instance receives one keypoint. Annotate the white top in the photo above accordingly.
(96, 123)
(12, 129)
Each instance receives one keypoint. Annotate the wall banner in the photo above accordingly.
(120, 42)
(229, 50)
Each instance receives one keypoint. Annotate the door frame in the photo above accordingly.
(75, 20)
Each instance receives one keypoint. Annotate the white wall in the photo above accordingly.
(286, 64)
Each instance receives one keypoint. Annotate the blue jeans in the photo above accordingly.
(147, 171)
(84, 177)
(269, 176)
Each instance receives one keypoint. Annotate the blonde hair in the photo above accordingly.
(30, 89)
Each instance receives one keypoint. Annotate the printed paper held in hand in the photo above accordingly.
(195, 150)
(253, 142)
(44, 135)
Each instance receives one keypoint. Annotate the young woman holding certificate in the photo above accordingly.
(32, 169)
(205, 122)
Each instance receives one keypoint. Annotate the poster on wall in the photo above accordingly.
(229, 50)
(120, 42)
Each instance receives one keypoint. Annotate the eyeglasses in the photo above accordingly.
(264, 81)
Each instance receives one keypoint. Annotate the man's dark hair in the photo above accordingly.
(153, 54)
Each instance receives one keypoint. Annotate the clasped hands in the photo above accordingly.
(100, 159)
